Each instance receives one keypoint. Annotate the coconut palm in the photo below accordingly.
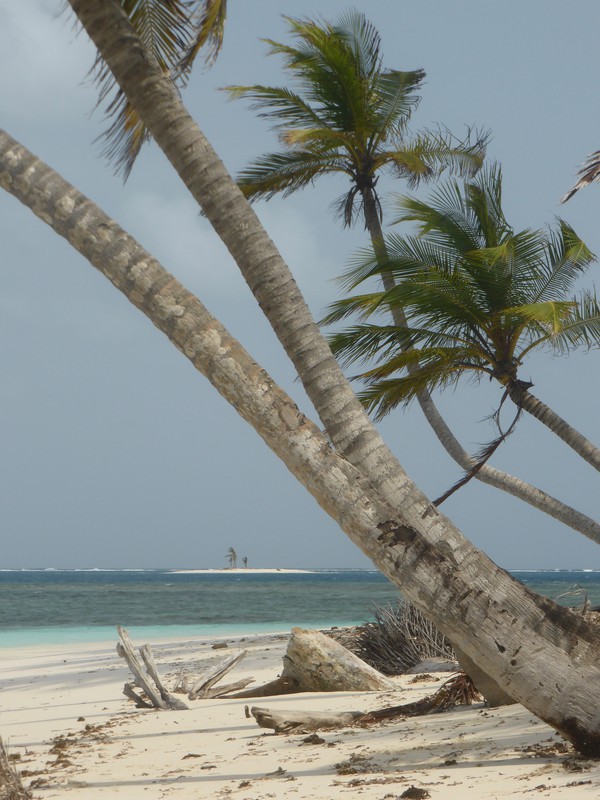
(480, 298)
(350, 116)
(173, 32)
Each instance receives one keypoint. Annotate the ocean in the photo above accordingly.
(61, 606)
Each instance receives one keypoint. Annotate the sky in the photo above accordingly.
(114, 452)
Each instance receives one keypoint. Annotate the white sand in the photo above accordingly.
(213, 751)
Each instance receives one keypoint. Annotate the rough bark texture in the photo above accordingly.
(544, 656)
(314, 662)
(486, 474)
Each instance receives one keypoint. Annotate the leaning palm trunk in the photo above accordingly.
(484, 473)
(522, 398)
(546, 656)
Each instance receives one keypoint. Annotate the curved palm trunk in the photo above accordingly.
(546, 656)
(486, 473)
(576, 441)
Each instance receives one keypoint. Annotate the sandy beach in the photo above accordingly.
(72, 730)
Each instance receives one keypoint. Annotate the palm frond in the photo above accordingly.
(279, 103)
(438, 369)
(581, 327)
(432, 152)
(285, 172)
(396, 99)
(567, 258)
(445, 220)
(209, 23)
(589, 172)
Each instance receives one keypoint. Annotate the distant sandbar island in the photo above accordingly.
(238, 571)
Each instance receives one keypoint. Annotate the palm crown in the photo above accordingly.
(479, 296)
(348, 116)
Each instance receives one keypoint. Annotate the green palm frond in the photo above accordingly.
(346, 103)
(432, 152)
(209, 24)
(581, 327)
(438, 368)
(285, 173)
(567, 258)
(172, 32)
(478, 296)
(396, 101)
(444, 221)
(279, 103)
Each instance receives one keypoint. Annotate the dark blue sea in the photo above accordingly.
(58, 606)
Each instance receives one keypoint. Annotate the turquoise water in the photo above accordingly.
(65, 606)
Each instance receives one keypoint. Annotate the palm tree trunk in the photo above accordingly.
(576, 441)
(545, 656)
(486, 473)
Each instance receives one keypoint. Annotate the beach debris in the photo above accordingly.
(314, 662)
(302, 722)
(148, 679)
(204, 687)
(399, 637)
(457, 690)
(414, 793)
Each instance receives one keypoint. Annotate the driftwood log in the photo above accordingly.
(302, 722)
(204, 686)
(148, 679)
(457, 690)
(314, 662)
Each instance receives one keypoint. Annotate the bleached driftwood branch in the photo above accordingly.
(457, 690)
(149, 681)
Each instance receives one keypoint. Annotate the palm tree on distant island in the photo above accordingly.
(232, 558)
(245, 561)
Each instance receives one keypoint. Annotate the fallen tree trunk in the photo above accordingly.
(458, 690)
(316, 663)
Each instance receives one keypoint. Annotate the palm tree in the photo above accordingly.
(528, 643)
(173, 33)
(245, 562)
(232, 558)
(480, 299)
(350, 117)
